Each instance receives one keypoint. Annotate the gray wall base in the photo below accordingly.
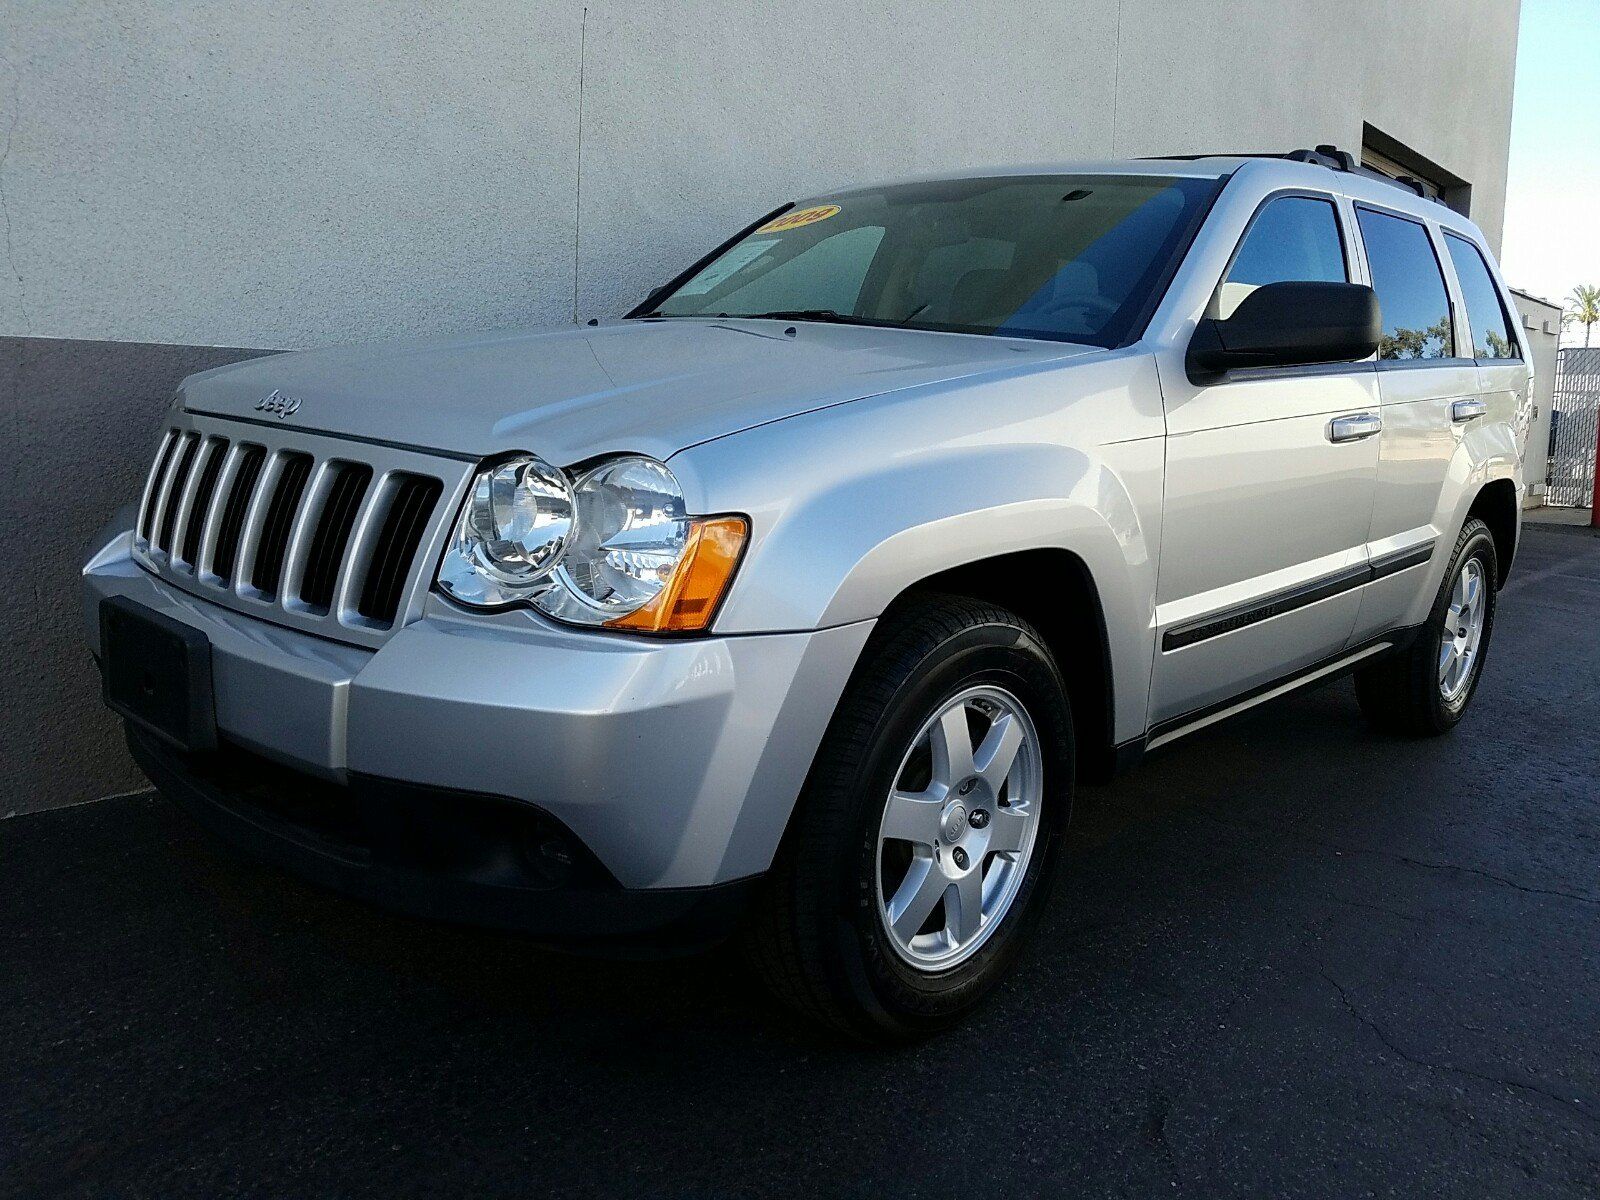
(81, 419)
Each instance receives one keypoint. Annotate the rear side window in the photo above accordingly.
(1493, 335)
(1410, 287)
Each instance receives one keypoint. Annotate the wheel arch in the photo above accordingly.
(1053, 589)
(1495, 504)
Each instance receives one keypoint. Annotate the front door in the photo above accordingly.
(1269, 491)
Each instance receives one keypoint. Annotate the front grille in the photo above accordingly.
(295, 528)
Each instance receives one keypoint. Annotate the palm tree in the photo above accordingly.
(1583, 307)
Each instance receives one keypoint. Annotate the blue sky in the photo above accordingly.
(1552, 229)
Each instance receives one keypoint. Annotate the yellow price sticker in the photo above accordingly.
(802, 216)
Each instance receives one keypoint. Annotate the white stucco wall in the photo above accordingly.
(297, 173)
(182, 183)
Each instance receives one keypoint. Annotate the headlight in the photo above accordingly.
(512, 532)
(612, 548)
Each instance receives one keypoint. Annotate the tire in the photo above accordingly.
(820, 935)
(1404, 693)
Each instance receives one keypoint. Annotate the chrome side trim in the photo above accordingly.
(1188, 726)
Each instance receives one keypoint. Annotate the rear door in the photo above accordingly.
(1269, 489)
(1493, 332)
(1425, 371)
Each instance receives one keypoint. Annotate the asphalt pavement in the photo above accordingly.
(1288, 957)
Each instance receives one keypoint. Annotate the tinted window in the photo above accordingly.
(1492, 333)
(1410, 287)
(1075, 258)
(1292, 238)
(832, 271)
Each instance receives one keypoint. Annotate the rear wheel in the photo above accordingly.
(918, 856)
(1424, 690)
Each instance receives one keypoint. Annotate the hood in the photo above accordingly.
(570, 393)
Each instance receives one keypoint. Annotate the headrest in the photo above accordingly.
(1076, 279)
(973, 299)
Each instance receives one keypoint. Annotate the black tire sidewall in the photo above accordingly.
(903, 998)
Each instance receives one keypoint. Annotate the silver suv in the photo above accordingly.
(794, 603)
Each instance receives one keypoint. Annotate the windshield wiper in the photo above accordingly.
(798, 314)
(825, 314)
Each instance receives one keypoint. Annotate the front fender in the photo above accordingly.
(850, 512)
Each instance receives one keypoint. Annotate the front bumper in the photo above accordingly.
(674, 763)
(445, 855)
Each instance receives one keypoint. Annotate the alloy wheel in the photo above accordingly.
(959, 827)
(1462, 637)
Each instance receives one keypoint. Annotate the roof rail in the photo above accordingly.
(1324, 155)
(1349, 162)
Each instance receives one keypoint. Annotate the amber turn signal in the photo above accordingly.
(690, 599)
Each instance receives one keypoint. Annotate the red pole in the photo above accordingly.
(1594, 500)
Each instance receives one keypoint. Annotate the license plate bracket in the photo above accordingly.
(156, 672)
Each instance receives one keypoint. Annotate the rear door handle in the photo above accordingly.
(1354, 427)
(1467, 410)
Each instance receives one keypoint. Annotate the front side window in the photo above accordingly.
(1292, 239)
(1493, 335)
(1410, 287)
(1068, 258)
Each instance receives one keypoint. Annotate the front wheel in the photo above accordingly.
(919, 852)
(1424, 690)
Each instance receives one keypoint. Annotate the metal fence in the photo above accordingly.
(1573, 422)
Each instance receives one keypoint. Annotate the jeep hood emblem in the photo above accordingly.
(277, 403)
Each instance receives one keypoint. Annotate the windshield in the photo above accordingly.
(1070, 258)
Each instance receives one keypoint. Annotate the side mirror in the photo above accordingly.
(1289, 325)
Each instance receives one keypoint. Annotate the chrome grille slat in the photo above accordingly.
(221, 493)
(319, 574)
(278, 525)
(177, 474)
(202, 477)
(149, 503)
(353, 572)
(236, 513)
(244, 566)
(305, 530)
(395, 552)
(308, 511)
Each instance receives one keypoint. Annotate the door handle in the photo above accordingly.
(1354, 427)
(1467, 410)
